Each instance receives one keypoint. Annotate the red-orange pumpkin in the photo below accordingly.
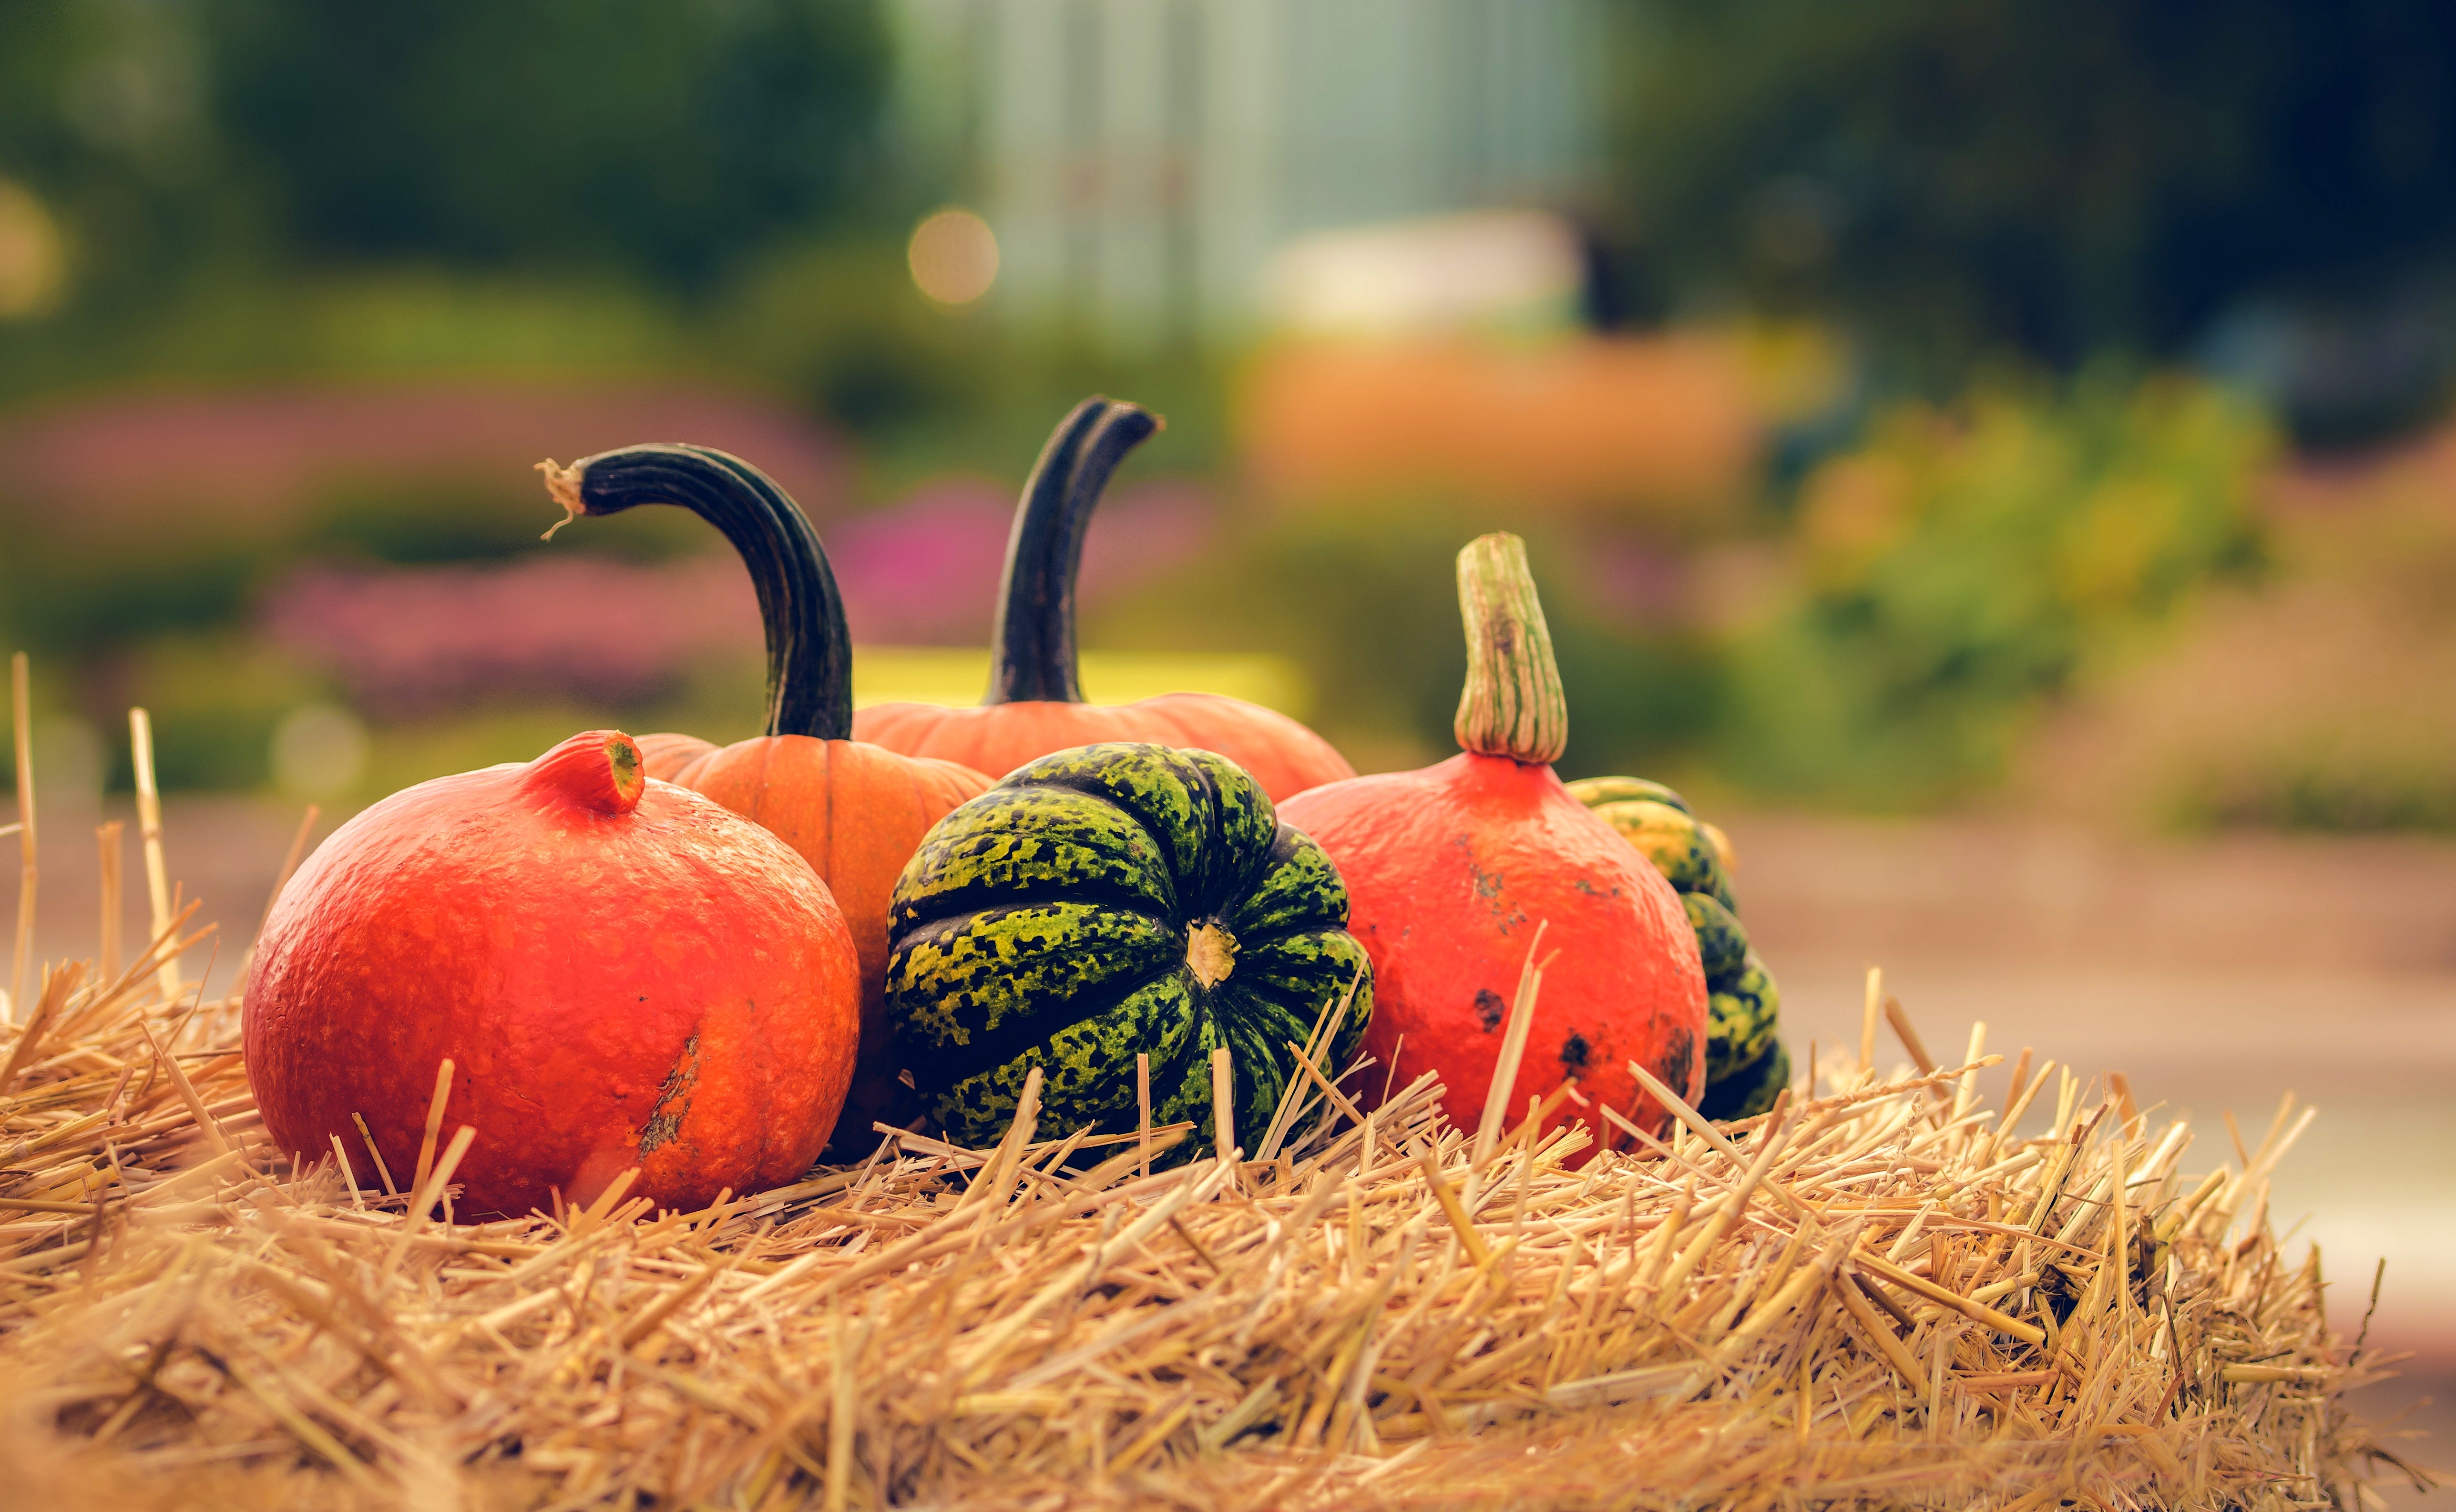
(854, 810)
(1035, 700)
(1451, 869)
(622, 974)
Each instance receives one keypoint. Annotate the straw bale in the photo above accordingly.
(1877, 1295)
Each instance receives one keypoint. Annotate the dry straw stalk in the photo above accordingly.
(1877, 1295)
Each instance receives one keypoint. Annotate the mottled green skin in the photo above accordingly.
(1673, 840)
(1722, 945)
(1046, 923)
(1595, 791)
(1752, 1090)
(1745, 1062)
(1742, 1011)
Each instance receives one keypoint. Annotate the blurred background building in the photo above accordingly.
(1142, 162)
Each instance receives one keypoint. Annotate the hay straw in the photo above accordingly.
(1876, 1295)
(149, 823)
(21, 728)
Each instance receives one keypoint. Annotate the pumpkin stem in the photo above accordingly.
(1513, 704)
(597, 769)
(1032, 651)
(809, 654)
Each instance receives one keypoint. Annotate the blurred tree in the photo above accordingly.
(187, 140)
(664, 137)
(1959, 176)
(104, 119)
(1958, 569)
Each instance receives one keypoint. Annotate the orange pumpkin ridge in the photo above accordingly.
(1034, 704)
(855, 812)
(1451, 869)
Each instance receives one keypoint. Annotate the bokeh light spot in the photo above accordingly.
(320, 750)
(954, 255)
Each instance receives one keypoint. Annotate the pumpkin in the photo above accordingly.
(1453, 870)
(1035, 700)
(622, 973)
(1114, 900)
(1746, 1063)
(855, 812)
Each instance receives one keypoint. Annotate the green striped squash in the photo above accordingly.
(1745, 1062)
(1111, 900)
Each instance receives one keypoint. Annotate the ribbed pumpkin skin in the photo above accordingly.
(1746, 1062)
(1049, 923)
(1284, 756)
(665, 754)
(1451, 868)
(856, 813)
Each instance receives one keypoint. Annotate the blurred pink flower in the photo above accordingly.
(411, 640)
(407, 640)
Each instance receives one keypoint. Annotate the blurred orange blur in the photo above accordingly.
(1666, 426)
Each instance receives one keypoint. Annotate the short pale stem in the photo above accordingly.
(1513, 705)
(1211, 952)
(597, 769)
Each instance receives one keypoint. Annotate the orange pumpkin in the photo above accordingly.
(1035, 700)
(855, 812)
(1455, 870)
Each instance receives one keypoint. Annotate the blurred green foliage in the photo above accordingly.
(1960, 568)
(1961, 177)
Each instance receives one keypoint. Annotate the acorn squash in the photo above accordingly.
(1113, 900)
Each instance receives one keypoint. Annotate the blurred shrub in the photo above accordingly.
(215, 701)
(1961, 566)
(2318, 701)
(840, 326)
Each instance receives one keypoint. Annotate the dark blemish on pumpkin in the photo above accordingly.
(1574, 1052)
(1489, 887)
(673, 1100)
(1489, 1007)
(1588, 887)
(1679, 1059)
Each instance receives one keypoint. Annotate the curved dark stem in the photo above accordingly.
(1032, 655)
(810, 655)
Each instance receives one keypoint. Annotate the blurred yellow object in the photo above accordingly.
(1796, 370)
(959, 675)
(33, 261)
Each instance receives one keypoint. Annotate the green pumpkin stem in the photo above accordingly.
(1031, 649)
(809, 654)
(1513, 704)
